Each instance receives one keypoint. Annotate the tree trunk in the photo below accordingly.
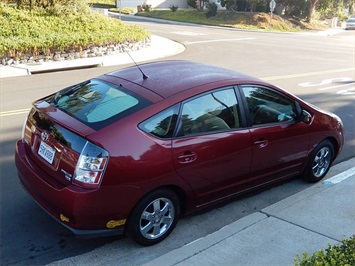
(311, 7)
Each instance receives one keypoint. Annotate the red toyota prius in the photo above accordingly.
(133, 150)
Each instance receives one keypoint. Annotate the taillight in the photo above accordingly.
(91, 166)
(27, 130)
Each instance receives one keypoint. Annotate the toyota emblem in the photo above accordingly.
(44, 136)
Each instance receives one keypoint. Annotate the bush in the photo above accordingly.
(211, 9)
(192, 3)
(102, 3)
(147, 8)
(343, 254)
(229, 4)
(174, 8)
(125, 10)
(40, 32)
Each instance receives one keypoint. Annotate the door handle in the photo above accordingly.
(262, 143)
(187, 157)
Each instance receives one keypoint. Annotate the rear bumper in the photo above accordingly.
(87, 213)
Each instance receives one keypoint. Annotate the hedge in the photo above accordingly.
(41, 32)
(336, 255)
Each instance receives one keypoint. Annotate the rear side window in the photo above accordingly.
(162, 125)
(97, 103)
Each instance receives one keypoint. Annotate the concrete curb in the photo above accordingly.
(160, 47)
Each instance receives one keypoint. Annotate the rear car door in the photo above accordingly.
(212, 152)
(280, 142)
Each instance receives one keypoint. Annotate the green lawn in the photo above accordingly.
(241, 20)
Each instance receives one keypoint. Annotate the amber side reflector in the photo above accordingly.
(64, 218)
(114, 223)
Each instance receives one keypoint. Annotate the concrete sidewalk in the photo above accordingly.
(305, 222)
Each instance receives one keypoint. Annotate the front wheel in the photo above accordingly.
(320, 162)
(154, 217)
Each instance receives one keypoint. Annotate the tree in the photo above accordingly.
(300, 8)
(311, 8)
(335, 8)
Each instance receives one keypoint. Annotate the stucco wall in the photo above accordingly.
(154, 3)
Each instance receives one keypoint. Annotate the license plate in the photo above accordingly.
(46, 152)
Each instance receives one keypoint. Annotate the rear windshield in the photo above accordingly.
(97, 103)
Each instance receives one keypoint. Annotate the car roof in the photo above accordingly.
(167, 78)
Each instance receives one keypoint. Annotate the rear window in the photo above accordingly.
(97, 103)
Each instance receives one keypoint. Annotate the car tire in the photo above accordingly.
(320, 161)
(154, 217)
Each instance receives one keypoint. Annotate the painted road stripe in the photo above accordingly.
(220, 40)
(340, 177)
(14, 112)
(308, 74)
(337, 86)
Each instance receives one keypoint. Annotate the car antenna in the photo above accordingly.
(144, 75)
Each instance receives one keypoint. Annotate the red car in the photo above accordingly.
(134, 150)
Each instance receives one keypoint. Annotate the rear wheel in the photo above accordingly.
(320, 162)
(154, 217)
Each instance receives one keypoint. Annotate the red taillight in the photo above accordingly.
(27, 130)
(91, 166)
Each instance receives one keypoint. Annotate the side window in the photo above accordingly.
(216, 111)
(268, 106)
(163, 124)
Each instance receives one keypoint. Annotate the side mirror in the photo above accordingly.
(305, 117)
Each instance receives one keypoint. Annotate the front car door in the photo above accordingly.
(280, 142)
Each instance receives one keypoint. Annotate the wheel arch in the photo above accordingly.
(133, 228)
(176, 189)
(335, 146)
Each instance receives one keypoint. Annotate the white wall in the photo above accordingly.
(154, 3)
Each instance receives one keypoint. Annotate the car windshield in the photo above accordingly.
(97, 103)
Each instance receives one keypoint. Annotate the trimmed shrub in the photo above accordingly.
(147, 8)
(192, 3)
(125, 10)
(343, 254)
(174, 8)
(211, 9)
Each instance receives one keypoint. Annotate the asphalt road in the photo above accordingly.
(317, 68)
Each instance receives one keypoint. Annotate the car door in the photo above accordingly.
(280, 142)
(212, 152)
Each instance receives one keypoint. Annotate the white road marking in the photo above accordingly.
(325, 82)
(307, 74)
(337, 86)
(219, 40)
(188, 33)
(340, 177)
(347, 92)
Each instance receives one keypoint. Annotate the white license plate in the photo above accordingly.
(46, 152)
